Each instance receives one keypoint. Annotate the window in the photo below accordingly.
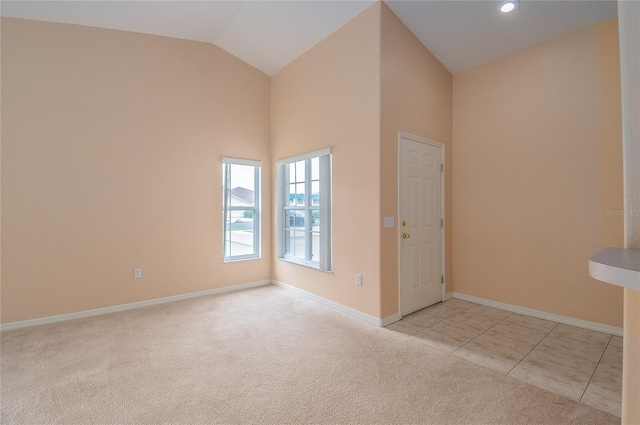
(241, 215)
(304, 209)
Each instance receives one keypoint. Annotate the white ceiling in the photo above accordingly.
(464, 34)
(270, 34)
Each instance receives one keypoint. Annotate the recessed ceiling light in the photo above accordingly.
(509, 6)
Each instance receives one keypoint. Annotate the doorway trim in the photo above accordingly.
(418, 139)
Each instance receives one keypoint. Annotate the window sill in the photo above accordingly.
(300, 263)
(235, 260)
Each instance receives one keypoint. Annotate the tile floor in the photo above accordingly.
(583, 365)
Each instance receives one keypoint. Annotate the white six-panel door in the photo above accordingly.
(420, 226)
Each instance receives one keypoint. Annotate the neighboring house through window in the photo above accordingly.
(241, 203)
(304, 209)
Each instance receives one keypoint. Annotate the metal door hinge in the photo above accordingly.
(442, 222)
(442, 278)
(442, 167)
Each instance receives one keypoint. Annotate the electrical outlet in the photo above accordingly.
(358, 279)
(137, 273)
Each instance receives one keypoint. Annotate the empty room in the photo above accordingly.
(320, 212)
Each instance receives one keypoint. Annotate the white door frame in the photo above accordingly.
(413, 137)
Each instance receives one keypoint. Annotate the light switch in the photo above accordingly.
(389, 222)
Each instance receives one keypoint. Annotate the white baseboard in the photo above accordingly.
(390, 319)
(579, 323)
(334, 305)
(448, 296)
(122, 307)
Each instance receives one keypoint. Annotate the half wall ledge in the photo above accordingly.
(618, 266)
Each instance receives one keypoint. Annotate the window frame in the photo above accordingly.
(226, 208)
(324, 208)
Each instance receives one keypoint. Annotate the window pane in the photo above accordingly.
(292, 194)
(315, 235)
(287, 233)
(303, 237)
(287, 240)
(294, 234)
(315, 219)
(295, 219)
(243, 176)
(298, 250)
(315, 193)
(292, 172)
(300, 200)
(315, 168)
(239, 233)
(241, 218)
(300, 171)
(315, 246)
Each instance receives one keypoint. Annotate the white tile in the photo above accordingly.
(559, 358)
(478, 354)
(496, 313)
(448, 335)
(404, 327)
(448, 308)
(603, 399)
(583, 336)
(475, 318)
(605, 389)
(534, 323)
(563, 384)
(422, 319)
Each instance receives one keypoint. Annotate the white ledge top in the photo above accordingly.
(618, 266)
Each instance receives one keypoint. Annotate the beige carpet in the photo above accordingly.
(263, 355)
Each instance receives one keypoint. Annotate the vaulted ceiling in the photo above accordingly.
(270, 34)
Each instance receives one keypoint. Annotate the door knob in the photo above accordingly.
(406, 236)
(404, 223)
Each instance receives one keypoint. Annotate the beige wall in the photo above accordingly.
(330, 96)
(355, 91)
(111, 160)
(112, 144)
(537, 154)
(416, 98)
